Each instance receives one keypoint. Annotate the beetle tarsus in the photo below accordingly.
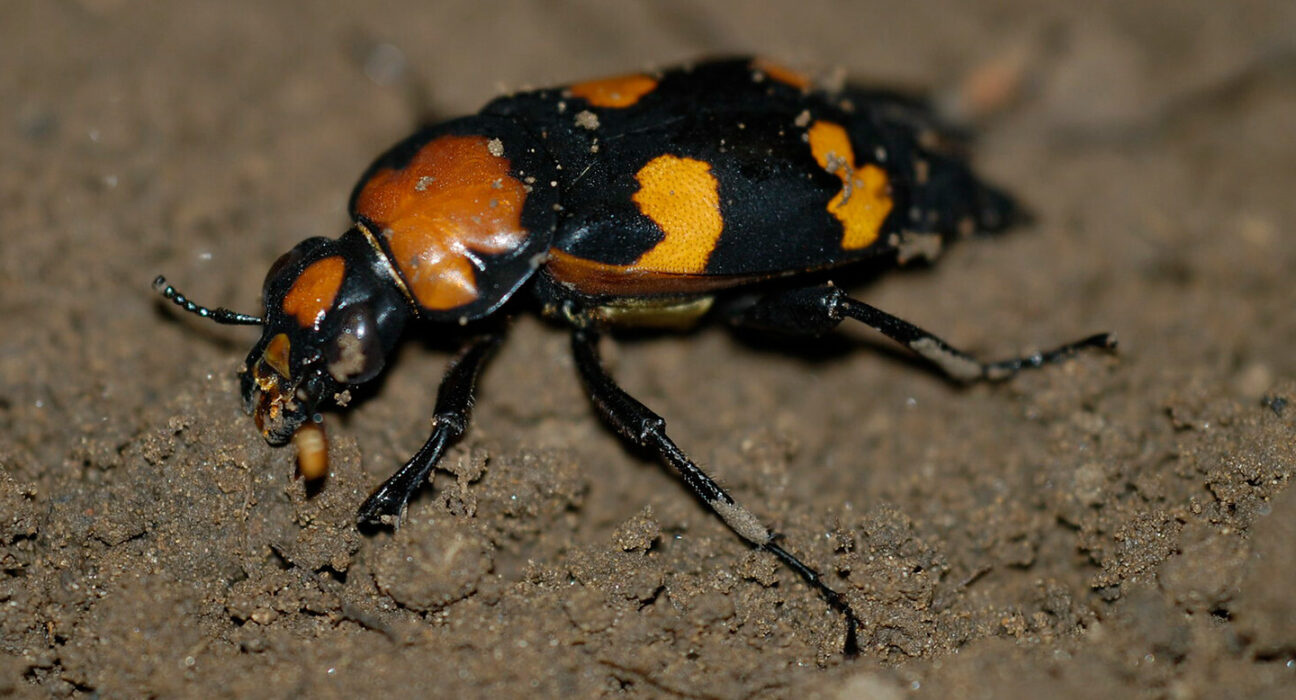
(835, 600)
(386, 504)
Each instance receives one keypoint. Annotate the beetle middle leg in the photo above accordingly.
(817, 310)
(640, 425)
(454, 402)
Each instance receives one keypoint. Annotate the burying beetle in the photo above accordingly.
(631, 201)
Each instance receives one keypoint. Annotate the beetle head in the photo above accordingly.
(334, 311)
(333, 314)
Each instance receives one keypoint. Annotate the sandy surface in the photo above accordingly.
(1118, 526)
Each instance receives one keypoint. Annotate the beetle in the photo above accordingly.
(646, 200)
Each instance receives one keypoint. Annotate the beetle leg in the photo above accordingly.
(638, 424)
(453, 405)
(817, 310)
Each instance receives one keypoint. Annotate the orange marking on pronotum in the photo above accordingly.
(454, 202)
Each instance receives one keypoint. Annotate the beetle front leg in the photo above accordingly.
(638, 424)
(453, 406)
(817, 310)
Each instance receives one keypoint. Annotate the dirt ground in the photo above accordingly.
(1118, 526)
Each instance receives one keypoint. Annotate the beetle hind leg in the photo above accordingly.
(639, 425)
(817, 310)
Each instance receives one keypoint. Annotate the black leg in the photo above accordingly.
(816, 310)
(454, 402)
(638, 424)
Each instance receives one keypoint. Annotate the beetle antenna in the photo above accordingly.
(219, 314)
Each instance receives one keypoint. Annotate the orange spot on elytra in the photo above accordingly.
(454, 202)
(682, 197)
(621, 91)
(782, 74)
(865, 199)
(312, 293)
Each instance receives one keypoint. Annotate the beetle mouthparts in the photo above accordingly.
(277, 414)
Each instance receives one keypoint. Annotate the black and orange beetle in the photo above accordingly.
(641, 200)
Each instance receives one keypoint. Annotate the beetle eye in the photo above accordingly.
(355, 356)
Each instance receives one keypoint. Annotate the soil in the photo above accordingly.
(1115, 526)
